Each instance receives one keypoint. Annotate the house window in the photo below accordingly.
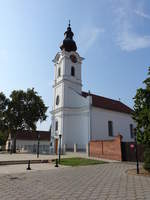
(56, 126)
(59, 72)
(110, 128)
(72, 71)
(57, 100)
(131, 131)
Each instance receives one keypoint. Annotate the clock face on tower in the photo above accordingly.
(73, 58)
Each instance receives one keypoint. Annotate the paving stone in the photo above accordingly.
(107, 181)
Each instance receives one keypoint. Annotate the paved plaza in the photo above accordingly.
(27, 156)
(22, 168)
(104, 181)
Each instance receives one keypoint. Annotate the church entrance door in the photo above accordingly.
(56, 145)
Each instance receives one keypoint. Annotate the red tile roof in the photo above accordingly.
(109, 104)
(32, 135)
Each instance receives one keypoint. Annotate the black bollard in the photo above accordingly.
(56, 165)
(136, 151)
(29, 168)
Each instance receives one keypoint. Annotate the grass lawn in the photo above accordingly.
(79, 162)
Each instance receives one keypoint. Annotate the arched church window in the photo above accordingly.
(59, 72)
(57, 100)
(56, 126)
(72, 71)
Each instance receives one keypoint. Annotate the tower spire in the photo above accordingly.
(69, 23)
(68, 43)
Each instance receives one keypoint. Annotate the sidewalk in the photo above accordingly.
(22, 168)
(15, 168)
(33, 157)
(104, 181)
(25, 156)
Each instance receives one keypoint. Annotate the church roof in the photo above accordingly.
(33, 135)
(68, 43)
(109, 104)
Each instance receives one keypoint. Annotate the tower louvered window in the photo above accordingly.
(72, 71)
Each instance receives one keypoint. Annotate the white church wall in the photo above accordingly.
(70, 84)
(76, 119)
(73, 99)
(67, 67)
(99, 123)
(78, 71)
(73, 119)
(65, 64)
(57, 66)
(59, 118)
(58, 92)
(76, 130)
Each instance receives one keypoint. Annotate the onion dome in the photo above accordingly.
(68, 43)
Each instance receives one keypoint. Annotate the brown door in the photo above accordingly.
(56, 146)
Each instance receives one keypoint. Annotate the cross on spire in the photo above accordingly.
(69, 23)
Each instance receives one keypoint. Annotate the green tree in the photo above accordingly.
(3, 107)
(142, 112)
(3, 138)
(25, 109)
(142, 117)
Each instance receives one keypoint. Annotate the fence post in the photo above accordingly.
(102, 148)
(64, 150)
(87, 149)
(75, 148)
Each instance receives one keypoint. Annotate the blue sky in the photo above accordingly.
(112, 35)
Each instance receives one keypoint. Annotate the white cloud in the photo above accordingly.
(128, 38)
(88, 36)
(142, 14)
(131, 41)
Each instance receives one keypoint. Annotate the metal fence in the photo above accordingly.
(128, 151)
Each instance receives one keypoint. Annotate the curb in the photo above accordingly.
(14, 162)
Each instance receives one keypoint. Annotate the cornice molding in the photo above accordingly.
(66, 79)
(60, 55)
(70, 109)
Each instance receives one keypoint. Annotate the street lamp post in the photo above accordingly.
(59, 147)
(38, 137)
(136, 151)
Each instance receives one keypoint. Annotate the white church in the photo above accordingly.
(79, 116)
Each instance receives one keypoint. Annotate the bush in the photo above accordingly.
(147, 159)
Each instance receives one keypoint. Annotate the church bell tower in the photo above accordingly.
(67, 84)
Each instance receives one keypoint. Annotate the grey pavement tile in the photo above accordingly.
(107, 181)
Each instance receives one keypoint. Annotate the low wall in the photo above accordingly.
(108, 149)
